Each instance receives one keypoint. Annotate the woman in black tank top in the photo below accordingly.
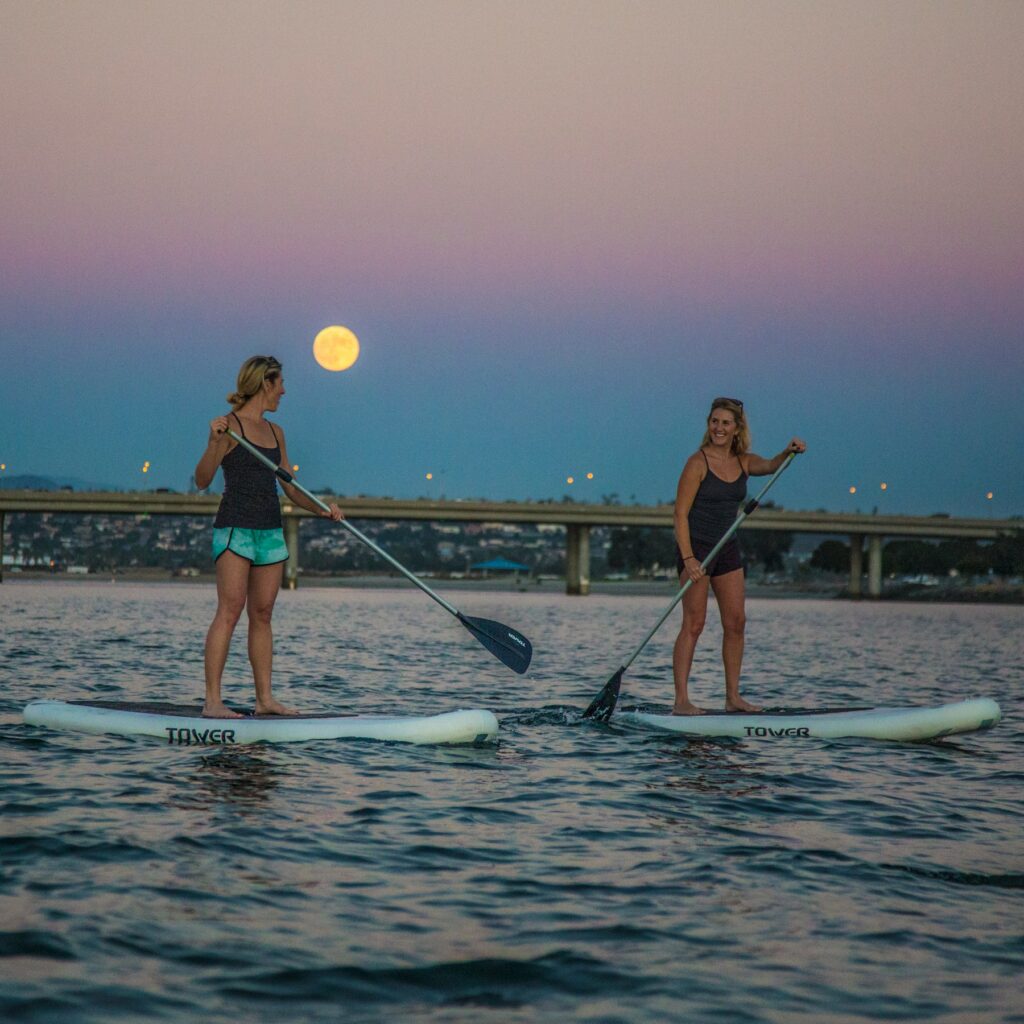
(248, 541)
(711, 489)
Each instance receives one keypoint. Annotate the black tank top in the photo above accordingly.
(250, 489)
(716, 504)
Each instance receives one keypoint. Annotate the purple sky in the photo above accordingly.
(558, 229)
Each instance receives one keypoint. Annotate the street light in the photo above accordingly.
(430, 476)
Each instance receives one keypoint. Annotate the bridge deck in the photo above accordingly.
(152, 503)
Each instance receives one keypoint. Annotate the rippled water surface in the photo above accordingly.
(571, 872)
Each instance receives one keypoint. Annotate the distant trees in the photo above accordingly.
(910, 557)
(1004, 556)
(767, 546)
(1007, 554)
(831, 556)
(642, 549)
(913, 557)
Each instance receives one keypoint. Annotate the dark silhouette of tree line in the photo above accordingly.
(1002, 557)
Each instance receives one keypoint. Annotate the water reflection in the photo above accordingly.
(708, 766)
(242, 778)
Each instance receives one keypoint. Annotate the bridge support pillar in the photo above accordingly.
(874, 565)
(577, 567)
(291, 538)
(856, 563)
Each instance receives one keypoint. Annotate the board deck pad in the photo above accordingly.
(154, 707)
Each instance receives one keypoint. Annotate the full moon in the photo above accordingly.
(336, 348)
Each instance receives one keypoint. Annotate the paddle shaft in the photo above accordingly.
(747, 509)
(282, 474)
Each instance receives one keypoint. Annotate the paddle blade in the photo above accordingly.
(508, 645)
(602, 706)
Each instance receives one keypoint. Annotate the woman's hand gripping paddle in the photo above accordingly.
(508, 645)
(602, 706)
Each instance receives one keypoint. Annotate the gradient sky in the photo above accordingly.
(558, 228)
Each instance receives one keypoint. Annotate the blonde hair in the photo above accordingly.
(741, 439)
(251, 376)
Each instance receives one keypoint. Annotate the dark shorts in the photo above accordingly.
(729, 559)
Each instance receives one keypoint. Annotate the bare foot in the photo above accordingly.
(219, 710)
(687, 709)
(739, 704)
(274, 707)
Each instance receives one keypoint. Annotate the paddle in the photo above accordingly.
(602, 706)
(508, 645)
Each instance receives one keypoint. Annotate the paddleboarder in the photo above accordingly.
(712, 487)
(248, 540)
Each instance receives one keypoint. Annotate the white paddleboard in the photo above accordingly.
(829, 723)
(182, 725)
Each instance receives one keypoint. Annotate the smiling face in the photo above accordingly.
(722, 429)
(727, 430)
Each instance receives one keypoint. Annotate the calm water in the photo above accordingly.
(572, 872)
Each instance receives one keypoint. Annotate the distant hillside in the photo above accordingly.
(30, 482)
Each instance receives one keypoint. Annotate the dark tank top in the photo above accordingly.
(250, 489)
(716, 505)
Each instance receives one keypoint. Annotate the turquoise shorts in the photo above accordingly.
(261, 547)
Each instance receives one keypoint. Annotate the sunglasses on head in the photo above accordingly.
(722, 398)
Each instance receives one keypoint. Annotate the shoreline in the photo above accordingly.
(982, 593)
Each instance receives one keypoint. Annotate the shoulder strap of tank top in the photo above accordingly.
(239, 422)
(273, 430)
(707, 465)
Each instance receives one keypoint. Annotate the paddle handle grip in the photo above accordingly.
(282, 474)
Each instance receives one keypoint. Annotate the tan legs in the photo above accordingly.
(241, 585)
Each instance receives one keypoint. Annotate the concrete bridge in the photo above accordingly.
(577, 520)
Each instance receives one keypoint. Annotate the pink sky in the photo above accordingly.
(816, 152)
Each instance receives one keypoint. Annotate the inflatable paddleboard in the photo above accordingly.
(182, 725)
(828, 723)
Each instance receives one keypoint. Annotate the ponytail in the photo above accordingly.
(251, 377)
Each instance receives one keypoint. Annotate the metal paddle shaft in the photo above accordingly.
(508, 645)
(602, 706)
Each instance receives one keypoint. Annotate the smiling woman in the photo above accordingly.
(711, 489)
